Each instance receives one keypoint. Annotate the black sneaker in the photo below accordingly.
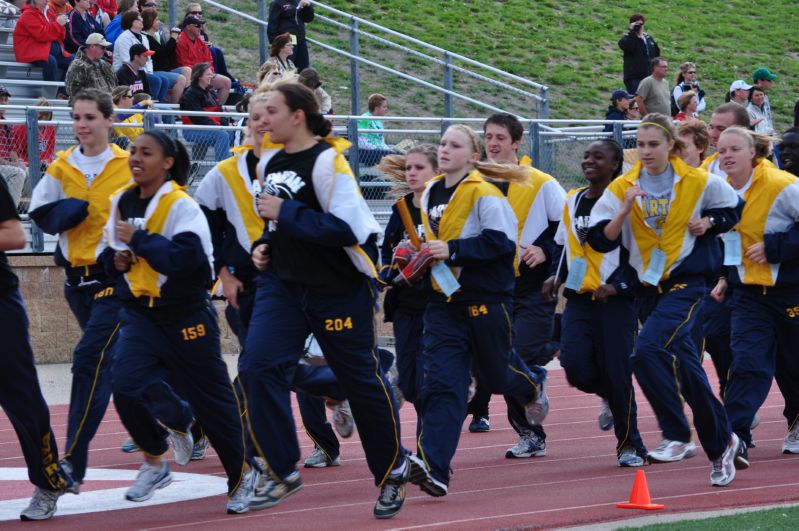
(420, 475)
(742, 457)
(392, 494)
(479, 424)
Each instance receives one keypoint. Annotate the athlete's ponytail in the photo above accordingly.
(179, 172)
(491, 170)
(300, 97)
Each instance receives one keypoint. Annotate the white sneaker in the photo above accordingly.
(42, 505)
(537, 410)
(630, 458)
(791, 443)
(182, 446)
(149, 479)
(605, 416)
(319, 459)
(722, 470)
(528, 445)
(669, 451)
(342, 419)
(239, 503)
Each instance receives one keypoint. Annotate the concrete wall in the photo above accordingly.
(53, 329)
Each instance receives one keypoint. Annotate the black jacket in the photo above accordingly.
(165, 57)
(637, 55)
(614, 114)
(284, 18)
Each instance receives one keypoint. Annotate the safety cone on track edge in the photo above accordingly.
(639, 498)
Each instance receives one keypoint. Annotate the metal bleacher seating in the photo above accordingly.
(22, 79)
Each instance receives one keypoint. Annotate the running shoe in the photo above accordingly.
(342, 418)
(269, 492)
(182, 446)
(669, 451)
(791, 443)
(722, 470)
(421, 476)
(605, 416)
(537, 410)
(42, 505)
(479, 424)
(742, 457)
(130, 446)
(147, 481)
(319, 459)
(392, 494)
(629, 457)
(528, 445)
(66, 468)
(200, 449)
(239, 502)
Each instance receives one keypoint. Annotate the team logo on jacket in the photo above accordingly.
(283, 184)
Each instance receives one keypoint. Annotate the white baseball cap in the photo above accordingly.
(739, 84)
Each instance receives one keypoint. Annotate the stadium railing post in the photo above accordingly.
(543, 109)
(618, 127)
(173, 13)
(34, 168)
(535, 144)
(447, 84)
(149, 121)
(263, 43)
(352, 136)
(355, 67)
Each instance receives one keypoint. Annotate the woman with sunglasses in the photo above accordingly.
(686, 80)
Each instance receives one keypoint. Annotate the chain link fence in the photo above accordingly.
(555, 146)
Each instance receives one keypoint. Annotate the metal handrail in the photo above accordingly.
(427, 45)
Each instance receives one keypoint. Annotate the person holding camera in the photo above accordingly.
(639, 49)
(686, 80)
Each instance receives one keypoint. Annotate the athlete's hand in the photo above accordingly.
(629, 198)
(260, 257)
(532, 255)
(604, 291)
(125, 231)
(231, 286)
(699, 226)
(719, 290)
(269, 206)
(549, 289)
(439, 249)
(122, 261)
(757, 253)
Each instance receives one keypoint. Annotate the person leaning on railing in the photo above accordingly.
(200, 96)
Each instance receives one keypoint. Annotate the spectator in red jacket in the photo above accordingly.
(46, 137)
(193, 50)
(37, 40)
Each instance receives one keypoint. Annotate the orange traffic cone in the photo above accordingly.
(639, 498)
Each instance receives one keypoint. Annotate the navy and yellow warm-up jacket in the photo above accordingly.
(173, 254)
(63, 203)
(481, 230)
(769, 216)
(696, 193)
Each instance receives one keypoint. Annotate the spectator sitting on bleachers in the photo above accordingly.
(103, 11)
(279, 53)
(201, 96)
(13, 170)
(165, 58)
(132, 73)
(81, 24)
(114, 28)
(372, 146)
(128, 107)
(220, 65)
(46, 137)
(193, 50)
(37, 40)
(89, 69)
(310, 78)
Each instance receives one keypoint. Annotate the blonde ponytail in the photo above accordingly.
(503, 172)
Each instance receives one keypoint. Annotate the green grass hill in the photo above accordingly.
(569, 45)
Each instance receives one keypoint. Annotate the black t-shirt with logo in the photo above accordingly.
(8, 211)
(437, 201)
(326, 269)
(132, 207)
(582, 214)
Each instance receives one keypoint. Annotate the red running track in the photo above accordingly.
(577, 483)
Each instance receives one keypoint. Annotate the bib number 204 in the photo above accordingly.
(338, 324)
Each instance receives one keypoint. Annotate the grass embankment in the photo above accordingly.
(772, 519)
(569, 45)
